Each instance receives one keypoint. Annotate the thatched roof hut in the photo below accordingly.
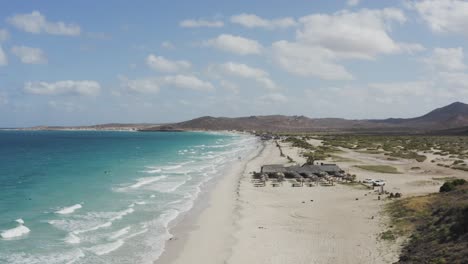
(275, 168)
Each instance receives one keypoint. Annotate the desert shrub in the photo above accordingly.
(450, 185)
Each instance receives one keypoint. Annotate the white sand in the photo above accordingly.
(246, 224)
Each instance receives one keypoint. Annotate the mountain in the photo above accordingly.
(451, 119)
(452, 116)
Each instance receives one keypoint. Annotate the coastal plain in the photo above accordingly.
(343, 223)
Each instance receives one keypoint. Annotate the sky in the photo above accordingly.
(92, 62)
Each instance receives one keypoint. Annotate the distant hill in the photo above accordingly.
(449, 117)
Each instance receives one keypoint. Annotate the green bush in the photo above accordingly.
(450, 185)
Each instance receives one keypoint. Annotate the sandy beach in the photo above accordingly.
(236, 222)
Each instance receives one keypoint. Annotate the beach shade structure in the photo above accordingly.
(257, 175)
(273, 169)
(292, 175)
(332, 169)
(279, 176)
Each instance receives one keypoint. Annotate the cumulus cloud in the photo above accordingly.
(245, 71)
(449, 16)
(81, 88)
(416, 88)
(457, 80)
(235, 44)
(230, 86)
(3, 57)
(64, 106)
(167, 45)
(274, 98)
(29, 55)
(37, 23)
(154, 85)
(324, 40)
(150, 86)
(188, 82)
(450, 59)
(160, 63)
(195, 23)
(308, 60)
(353, 2)
(254, 21)
(4, 35)
(362, 34)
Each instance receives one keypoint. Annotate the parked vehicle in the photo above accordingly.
(379, 183)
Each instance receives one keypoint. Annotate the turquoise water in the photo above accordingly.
(102, 197)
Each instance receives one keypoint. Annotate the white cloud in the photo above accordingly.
(245, 71)
(230, 86)
(160, 63)
(168, 45)
(29, 55)
(64, 106)
(235, 44)
(37, 23)
(443, 16)
(274, 98)
(3, 57)
(353, 2)
(188, 82)
(154, 85)
(416, 88)
(451, 59)
(4, 35)
(307, 60)
(254, 21)
(82, 88)
(362, 34)
(457, 80)
(326, 39)
(141, 85)
(195, 23)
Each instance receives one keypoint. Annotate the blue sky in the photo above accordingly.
(89, 62)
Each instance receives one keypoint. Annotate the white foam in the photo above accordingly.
(58, 257)
(153, 171)
(119, 233)
(137, 233)
(106, 224)
(104, 249)
(72, 239)
(146, 180)
(19, 221)
(69, 210)
(169, 187)
(122, 214)
(18, 231)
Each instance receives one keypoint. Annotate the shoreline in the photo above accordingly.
(186, 230)
(235, 222)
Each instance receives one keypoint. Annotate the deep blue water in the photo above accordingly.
(102, 197)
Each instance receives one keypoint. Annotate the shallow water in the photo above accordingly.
(102, 197)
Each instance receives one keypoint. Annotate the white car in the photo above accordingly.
(368, 181)
(379, 183)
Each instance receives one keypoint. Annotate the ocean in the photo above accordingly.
(103, 197)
